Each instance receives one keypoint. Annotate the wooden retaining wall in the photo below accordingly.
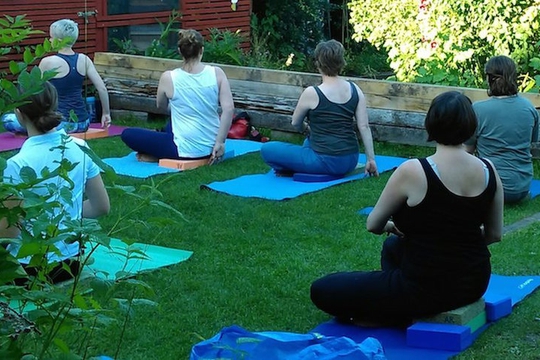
(396, 110)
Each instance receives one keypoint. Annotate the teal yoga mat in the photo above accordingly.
(112, 263)
(108, 263)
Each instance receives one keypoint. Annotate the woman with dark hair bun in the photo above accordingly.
(192, 93)
(443, 212)
(45, 148)
(507, 125)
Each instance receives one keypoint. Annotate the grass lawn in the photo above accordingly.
(254, 260)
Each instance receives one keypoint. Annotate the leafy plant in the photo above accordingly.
(161, 47)
(224, 47)
(41, 320)
(448, 42)
(13, 30)
(293, 26)
(125, 46)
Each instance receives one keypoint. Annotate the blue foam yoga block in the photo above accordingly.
(497, 306)
(308, 178)
(439, 336)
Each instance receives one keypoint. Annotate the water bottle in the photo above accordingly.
(91, 108)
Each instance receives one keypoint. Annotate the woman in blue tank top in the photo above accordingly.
(326, 114)
(71, 70)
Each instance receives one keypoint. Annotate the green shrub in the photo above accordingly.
(293, 27)
(448, 42)
(224, 47)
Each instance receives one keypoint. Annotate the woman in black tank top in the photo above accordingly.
(442, 214)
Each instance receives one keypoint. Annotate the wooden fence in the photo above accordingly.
(396, 110)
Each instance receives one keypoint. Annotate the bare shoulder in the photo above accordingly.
(410, 169)
(84, 57)
(310, 93)
(219, 71)
(166, 75)
(48, 61)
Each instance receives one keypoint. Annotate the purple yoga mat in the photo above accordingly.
(9, 141)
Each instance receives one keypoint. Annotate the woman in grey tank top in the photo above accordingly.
(327, 115)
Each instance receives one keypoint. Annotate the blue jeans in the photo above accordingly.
(12, 125)
(74, 127)
(285, 157)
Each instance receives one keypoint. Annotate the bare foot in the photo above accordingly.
(146, 158)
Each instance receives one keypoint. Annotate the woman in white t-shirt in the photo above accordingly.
(44, 149)
(193, 93)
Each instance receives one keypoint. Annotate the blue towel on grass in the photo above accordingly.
(272, 187)
(394, 340)
(130, 166)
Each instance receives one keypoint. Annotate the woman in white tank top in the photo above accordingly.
(192, 93)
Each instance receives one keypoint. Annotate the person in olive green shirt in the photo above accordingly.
(507, 125)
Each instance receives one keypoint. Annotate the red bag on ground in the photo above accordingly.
(240, 126)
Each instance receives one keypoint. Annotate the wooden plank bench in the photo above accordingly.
(396, 110)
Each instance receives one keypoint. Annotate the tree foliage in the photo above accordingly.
(448, 42)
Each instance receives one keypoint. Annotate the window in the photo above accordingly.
(118, 7)
(136, 38)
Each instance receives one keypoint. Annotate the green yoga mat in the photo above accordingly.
(121, 261)
(114, 262)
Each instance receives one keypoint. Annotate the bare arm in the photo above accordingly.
(307, 101)
(164, 91)
(493, 226)
(226, 103)
(97, 199)
(96, 79)
(394, 195)
(365, 133)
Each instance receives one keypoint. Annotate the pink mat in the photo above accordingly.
(9, 141)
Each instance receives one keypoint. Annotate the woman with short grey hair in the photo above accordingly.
(72, 69)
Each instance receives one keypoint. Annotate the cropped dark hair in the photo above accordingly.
(41, 108)
(190, 43)
(450, 119)
(502, 76)
(330, 57)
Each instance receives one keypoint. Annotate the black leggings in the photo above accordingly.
(56, 274)
(159, 144)
(385, 296)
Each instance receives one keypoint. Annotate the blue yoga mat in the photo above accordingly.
(272, 187)
(130, 166)
(535, 188)
(394, 340)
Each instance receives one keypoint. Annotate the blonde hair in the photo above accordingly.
(65, 29)
(190, 43)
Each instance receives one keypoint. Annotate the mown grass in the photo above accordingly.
(254, 260)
